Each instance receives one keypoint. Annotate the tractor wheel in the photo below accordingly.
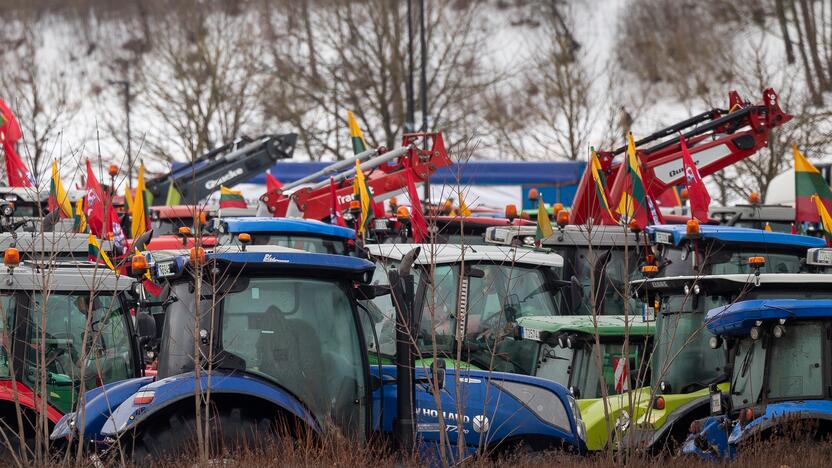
(231, 429)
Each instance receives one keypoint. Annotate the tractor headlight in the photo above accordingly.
(544, 403)
(579, 422)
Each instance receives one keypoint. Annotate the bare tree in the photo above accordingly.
(336, 56)
(45, 99)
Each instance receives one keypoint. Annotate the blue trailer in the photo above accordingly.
(283, 345)
(780, 377)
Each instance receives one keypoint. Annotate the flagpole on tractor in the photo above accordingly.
(424, 87)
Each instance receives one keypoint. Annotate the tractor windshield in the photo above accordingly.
(723, 259)
(795, 366)
(610, 269)
(683, 358)
(314, 244)
(300, 333)
(594, 366)
(498, 294)
(84, 337)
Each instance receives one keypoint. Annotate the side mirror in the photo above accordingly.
(474, 272)
(141, 242)
(371, 291)
(576, 291)
(145, 327)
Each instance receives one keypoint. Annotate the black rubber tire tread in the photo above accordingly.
(232, 428)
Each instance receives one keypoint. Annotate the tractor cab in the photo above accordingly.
(601, 259)
(66, 327)
(778, 218)
(685, 250)
(303, 234)
(167, 220)
(706, 272)
(499, 286)
(779, 378)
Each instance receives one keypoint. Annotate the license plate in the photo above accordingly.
(164, 269)
(530, 334)
(648, 314)
(825, 256)
(663, 237)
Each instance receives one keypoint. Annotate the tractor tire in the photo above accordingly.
(231, 429)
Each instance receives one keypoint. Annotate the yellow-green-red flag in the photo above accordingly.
(633, 202)
(95, 253)
(544, 224)
(138, 210)
(365, 199)
(359, 145)
(58, 199)
(600, 183)
(808, 183)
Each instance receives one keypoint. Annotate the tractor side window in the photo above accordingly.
(797, 362)
(7, 314)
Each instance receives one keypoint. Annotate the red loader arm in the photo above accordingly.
(424, 152)
(718, 139)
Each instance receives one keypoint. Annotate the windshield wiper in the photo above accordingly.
(746, 362)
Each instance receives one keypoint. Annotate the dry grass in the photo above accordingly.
(343, 452)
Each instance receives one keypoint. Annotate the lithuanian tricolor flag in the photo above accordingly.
(825, 219)
(231, 198)
(544, 224)
(633, 202)
(600, 183)
(808, 182)
(359, 145)
(96, 254)
(365, 198)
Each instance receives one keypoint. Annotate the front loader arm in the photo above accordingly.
(424, 152)
(717, 139)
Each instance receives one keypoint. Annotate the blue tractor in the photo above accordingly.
(304, 234)
(780, 380)
(278, 336)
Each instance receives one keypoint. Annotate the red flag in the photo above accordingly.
(417, 216)
(94, 204)
(335, 215)
(272, 184)
(698, 195)
(19, 175)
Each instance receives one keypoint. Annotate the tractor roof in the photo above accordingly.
(50, 245)
(740, 317)
(607, 325)
(736, 282)
(81, 277)
(571, 235)
(253, 225)
(452, 253)
(674, 234)
(278, 258)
